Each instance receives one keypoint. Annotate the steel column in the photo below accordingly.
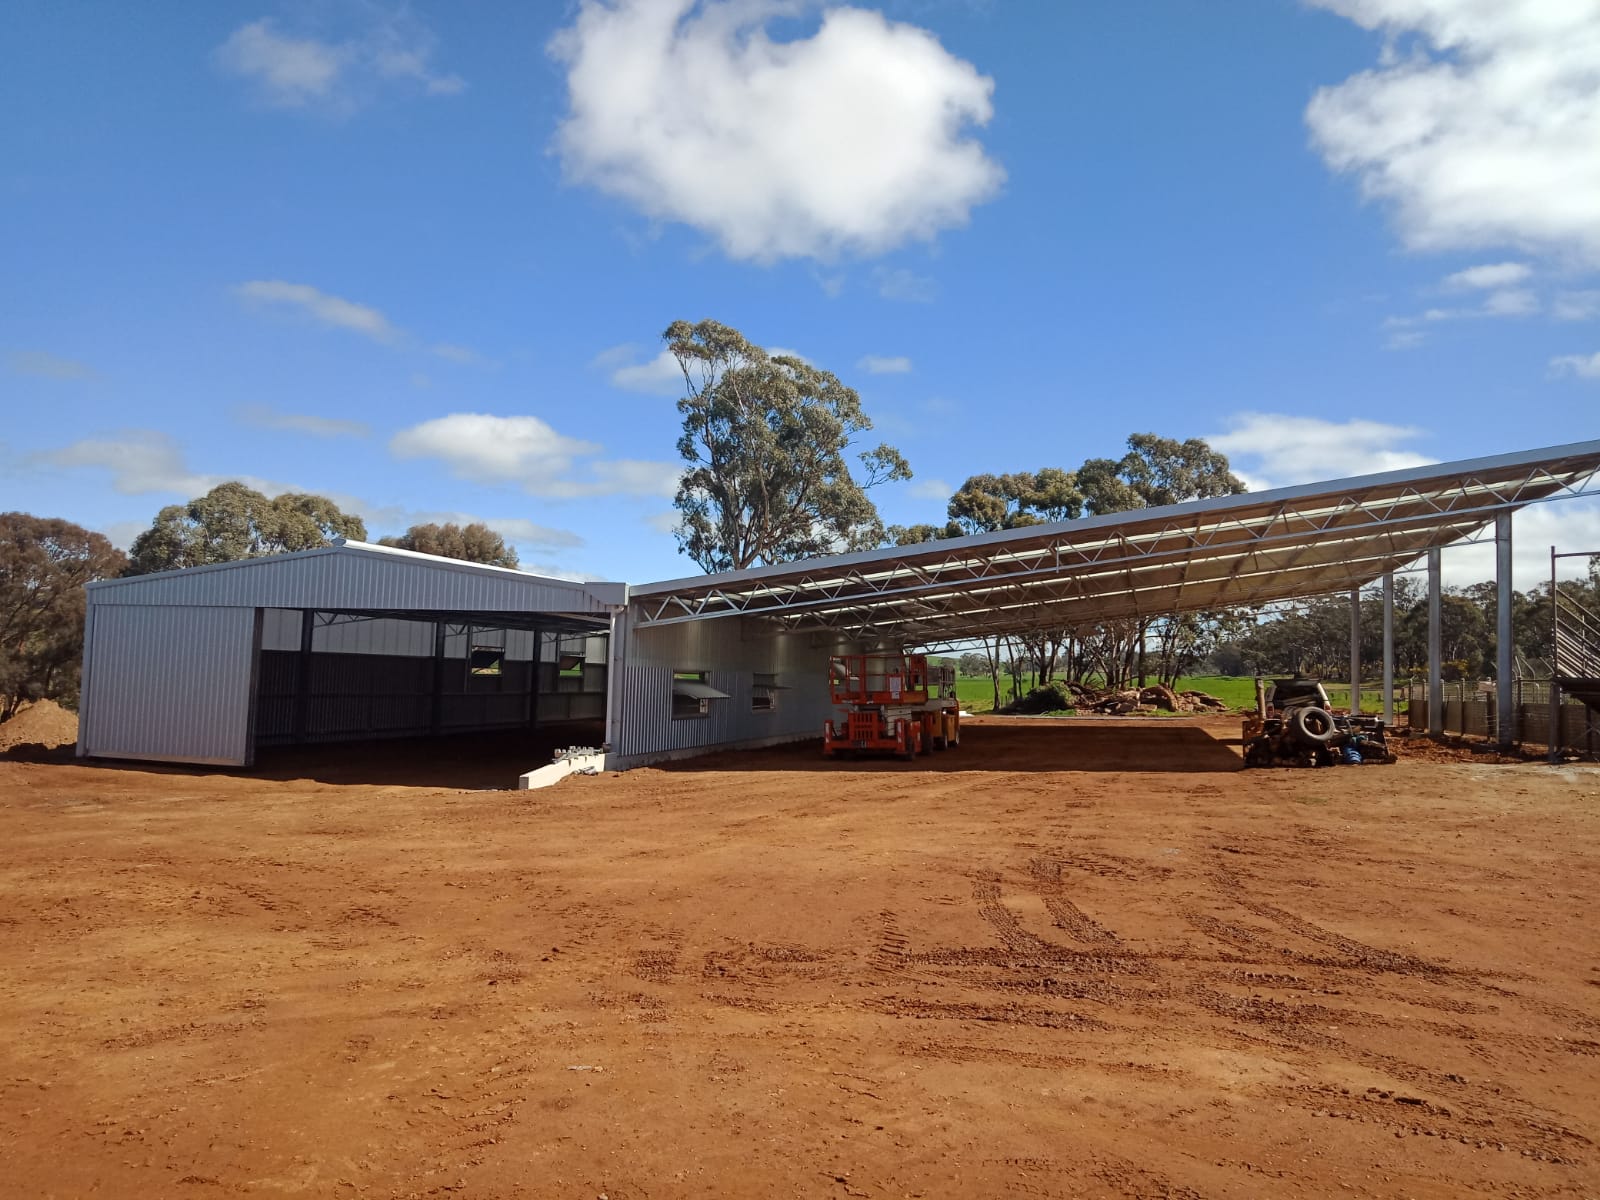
(1388, 649)
(1355, 652)
(1554, 736)
(1504, 706)
(1435, 644)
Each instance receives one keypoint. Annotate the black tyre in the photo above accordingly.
(1312, 726)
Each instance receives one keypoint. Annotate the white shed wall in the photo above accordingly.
(642, 727)
(168, 683)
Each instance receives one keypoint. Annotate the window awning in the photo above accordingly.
(697, 691)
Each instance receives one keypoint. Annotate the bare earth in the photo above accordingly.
(1068, 959)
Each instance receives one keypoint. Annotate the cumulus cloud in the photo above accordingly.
(659, 376)
(320, 306)
(1480, 126)
(305, 72)
(142, 461)
(265, 417)
(482, 447)
(526, 451)
(852, 140)
(1490, 275)
(879, 364)
(48, 366)
(1585, 366)
(1269, 450)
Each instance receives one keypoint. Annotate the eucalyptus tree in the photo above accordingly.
(766, 443)
(233, 521)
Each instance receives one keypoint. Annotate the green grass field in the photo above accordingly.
(1237, 691)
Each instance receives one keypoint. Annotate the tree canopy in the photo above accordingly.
(471, 543)
(232, 521)
(44, 563)
(765, 439)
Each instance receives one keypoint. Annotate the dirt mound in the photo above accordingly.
(1070, 696)
(43, 725)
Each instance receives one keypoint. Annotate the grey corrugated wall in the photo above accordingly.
(642, 725)
(168, 683)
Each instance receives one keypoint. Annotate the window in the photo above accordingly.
(486, 660)
(764, 693)
(692, 696)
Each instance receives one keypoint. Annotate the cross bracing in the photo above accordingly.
(1236, 550)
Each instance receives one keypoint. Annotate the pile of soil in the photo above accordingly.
(1065, 695)
(43, 726)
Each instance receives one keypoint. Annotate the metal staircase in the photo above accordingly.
(1575, 654)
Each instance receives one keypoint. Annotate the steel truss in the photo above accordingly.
(1233, 551)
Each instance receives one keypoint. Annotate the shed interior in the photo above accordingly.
(337, 676)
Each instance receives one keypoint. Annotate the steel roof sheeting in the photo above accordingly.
(1233, 550)
(360, 577)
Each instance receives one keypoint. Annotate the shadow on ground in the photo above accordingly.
(1017, 744)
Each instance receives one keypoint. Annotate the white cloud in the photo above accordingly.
(142, 461)
(1480, 126)
(660, 376)
(616, 477)
(1489, 275)
(1271, 450)
(1405, 339)
(664, 522)
(1510, 302)
(1566, 524)
(930, 489)
(464, 355)
(265, 417)
(482, 447)
(878, 364)
(897, 283)
(322, 307)
(290, 72)
(852, 140)
(1576, 306)
(527, 451)
(1586, 366)
(48, 366)
(307, 72)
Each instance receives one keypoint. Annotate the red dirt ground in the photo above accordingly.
(1081, 958)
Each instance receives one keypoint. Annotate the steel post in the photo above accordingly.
(1553, 737)
(1355, 652)
(1504, 710)
(1435, 644)
(1388, 649)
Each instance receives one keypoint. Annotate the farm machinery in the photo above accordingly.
(1297, 727)
(893, 704)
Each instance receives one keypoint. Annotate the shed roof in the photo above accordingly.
(1233, 550)
(366, 579)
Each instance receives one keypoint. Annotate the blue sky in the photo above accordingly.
(419, 257)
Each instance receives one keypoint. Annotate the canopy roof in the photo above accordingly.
(1233, 550)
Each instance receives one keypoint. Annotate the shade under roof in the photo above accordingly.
(1230, 551)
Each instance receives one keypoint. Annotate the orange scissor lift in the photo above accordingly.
(893, 705)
